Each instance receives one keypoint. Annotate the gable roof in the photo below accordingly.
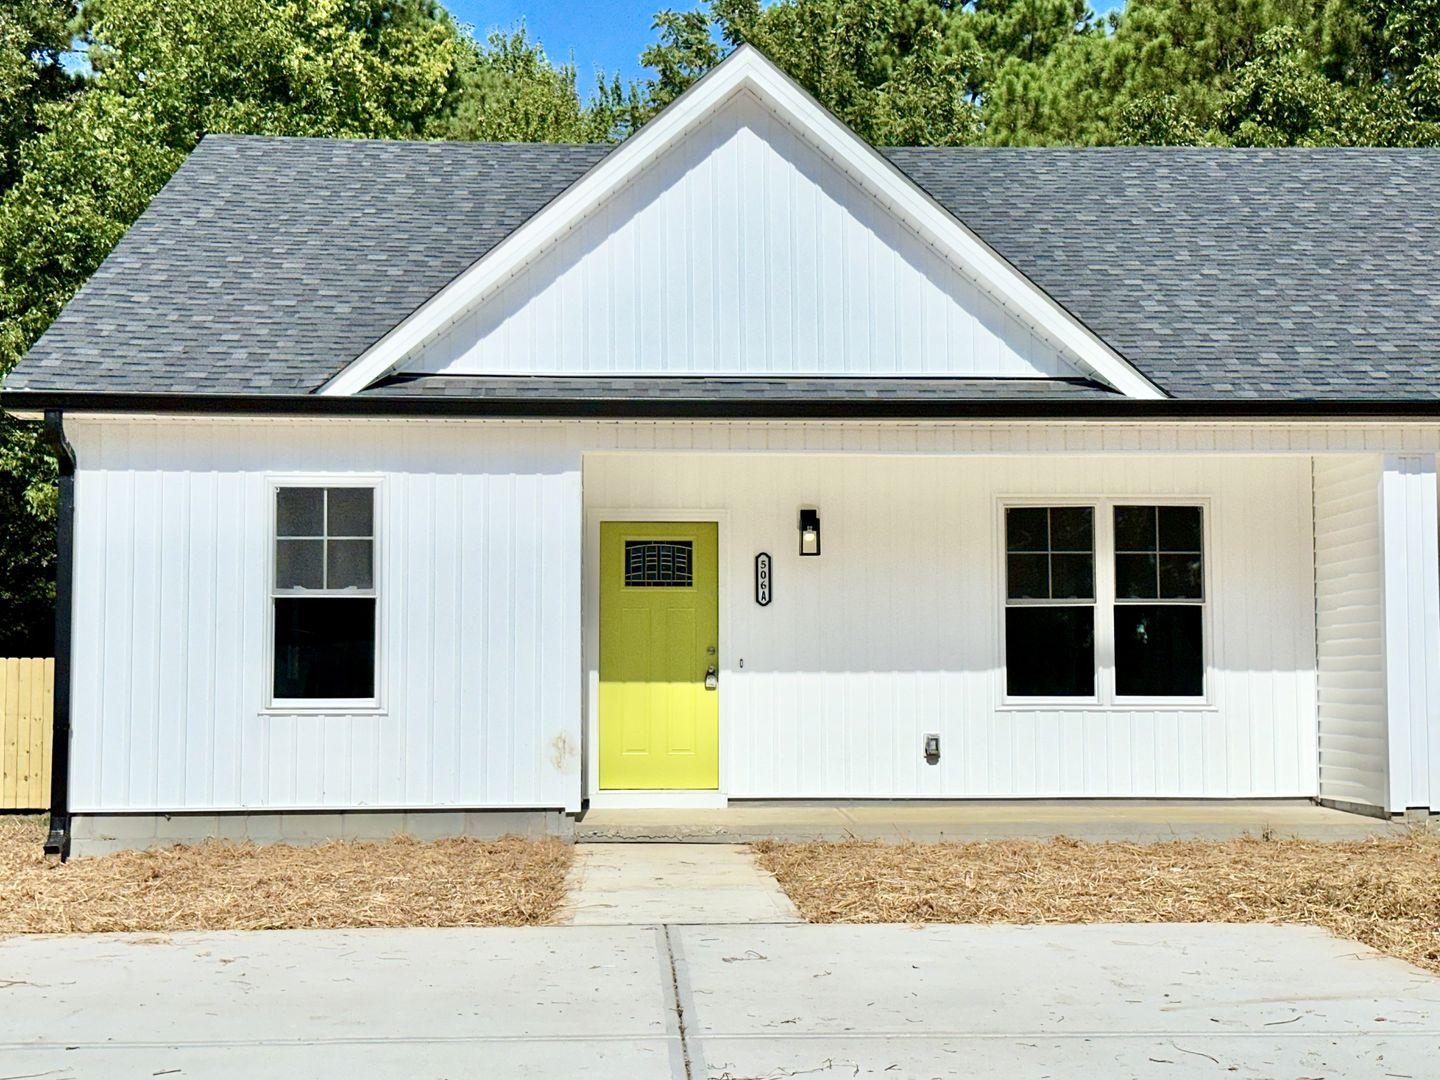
(746, 73)
(266, 265)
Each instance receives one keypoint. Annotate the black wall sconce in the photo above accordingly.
(809, 532)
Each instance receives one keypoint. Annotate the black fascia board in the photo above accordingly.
(772, 407)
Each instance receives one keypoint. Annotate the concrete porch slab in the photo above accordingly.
(1138, 820)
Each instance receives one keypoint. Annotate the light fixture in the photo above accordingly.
(809, 532)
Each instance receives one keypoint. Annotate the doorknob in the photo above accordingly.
(712, 678)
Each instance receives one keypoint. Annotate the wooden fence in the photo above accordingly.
(27, 701)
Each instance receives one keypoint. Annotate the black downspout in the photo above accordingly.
(58, 842)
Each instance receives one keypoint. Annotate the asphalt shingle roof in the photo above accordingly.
(267, 264)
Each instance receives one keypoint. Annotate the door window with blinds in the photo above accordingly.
(323, 596)
(1105, 603)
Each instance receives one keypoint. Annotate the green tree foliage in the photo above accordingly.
(885, 67)
(1049, 72)
(34, 34)
(509, 91)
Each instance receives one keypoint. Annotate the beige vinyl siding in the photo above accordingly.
(1349, 627)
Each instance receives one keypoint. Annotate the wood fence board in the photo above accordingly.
(27, 702)
(40, 734)
(10, 730)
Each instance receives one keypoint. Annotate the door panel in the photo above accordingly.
(659, 632)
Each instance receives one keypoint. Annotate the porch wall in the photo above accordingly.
(894, 631)
(478, 573)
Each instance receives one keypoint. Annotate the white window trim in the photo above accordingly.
(375, 704)
(1105, 698)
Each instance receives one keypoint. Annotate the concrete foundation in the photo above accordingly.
(101, 834)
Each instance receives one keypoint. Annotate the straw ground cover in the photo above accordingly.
(1384, 892)
(224, 886)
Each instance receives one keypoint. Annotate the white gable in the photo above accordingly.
(743, 251)
(742, 231)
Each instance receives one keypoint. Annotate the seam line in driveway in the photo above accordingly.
(358, 1040)
(675, 1020)
(670, 948)
(1189, 1034)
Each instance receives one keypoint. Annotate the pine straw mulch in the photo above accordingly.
(1383, 892)
(225, 886)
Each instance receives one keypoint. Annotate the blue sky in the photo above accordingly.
(605, 34)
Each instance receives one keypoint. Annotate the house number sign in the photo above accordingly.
(762, 579)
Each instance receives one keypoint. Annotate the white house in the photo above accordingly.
(745, 460)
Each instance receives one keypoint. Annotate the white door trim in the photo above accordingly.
(590, 658)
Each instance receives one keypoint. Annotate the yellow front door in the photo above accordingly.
(659, 636)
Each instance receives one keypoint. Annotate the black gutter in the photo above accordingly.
(718, 407)
(58, 840)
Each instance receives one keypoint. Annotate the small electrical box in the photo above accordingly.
(932, 748)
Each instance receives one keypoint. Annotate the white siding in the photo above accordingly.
(1411, 545)
(1351, 646)
(479, 581)
(744, 250)
(894, 631)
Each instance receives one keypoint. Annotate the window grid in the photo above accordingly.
(659, 564)
(1049, 552)
(324, 536)
(1158, 551)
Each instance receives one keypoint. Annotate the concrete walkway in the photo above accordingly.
(1140, 820)
(692, 1002)
(646, 884)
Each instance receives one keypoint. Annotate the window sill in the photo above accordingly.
(1046, 704)
(325, 708)
(1114, 706)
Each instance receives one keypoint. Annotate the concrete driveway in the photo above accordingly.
(718, 1001)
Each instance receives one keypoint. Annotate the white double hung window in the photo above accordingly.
(1050, 601)
(323, 596)
(1159, 601)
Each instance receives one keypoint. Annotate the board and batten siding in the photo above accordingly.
(1349, 616)
(478, 572)
(742, 251)
(894, 632)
